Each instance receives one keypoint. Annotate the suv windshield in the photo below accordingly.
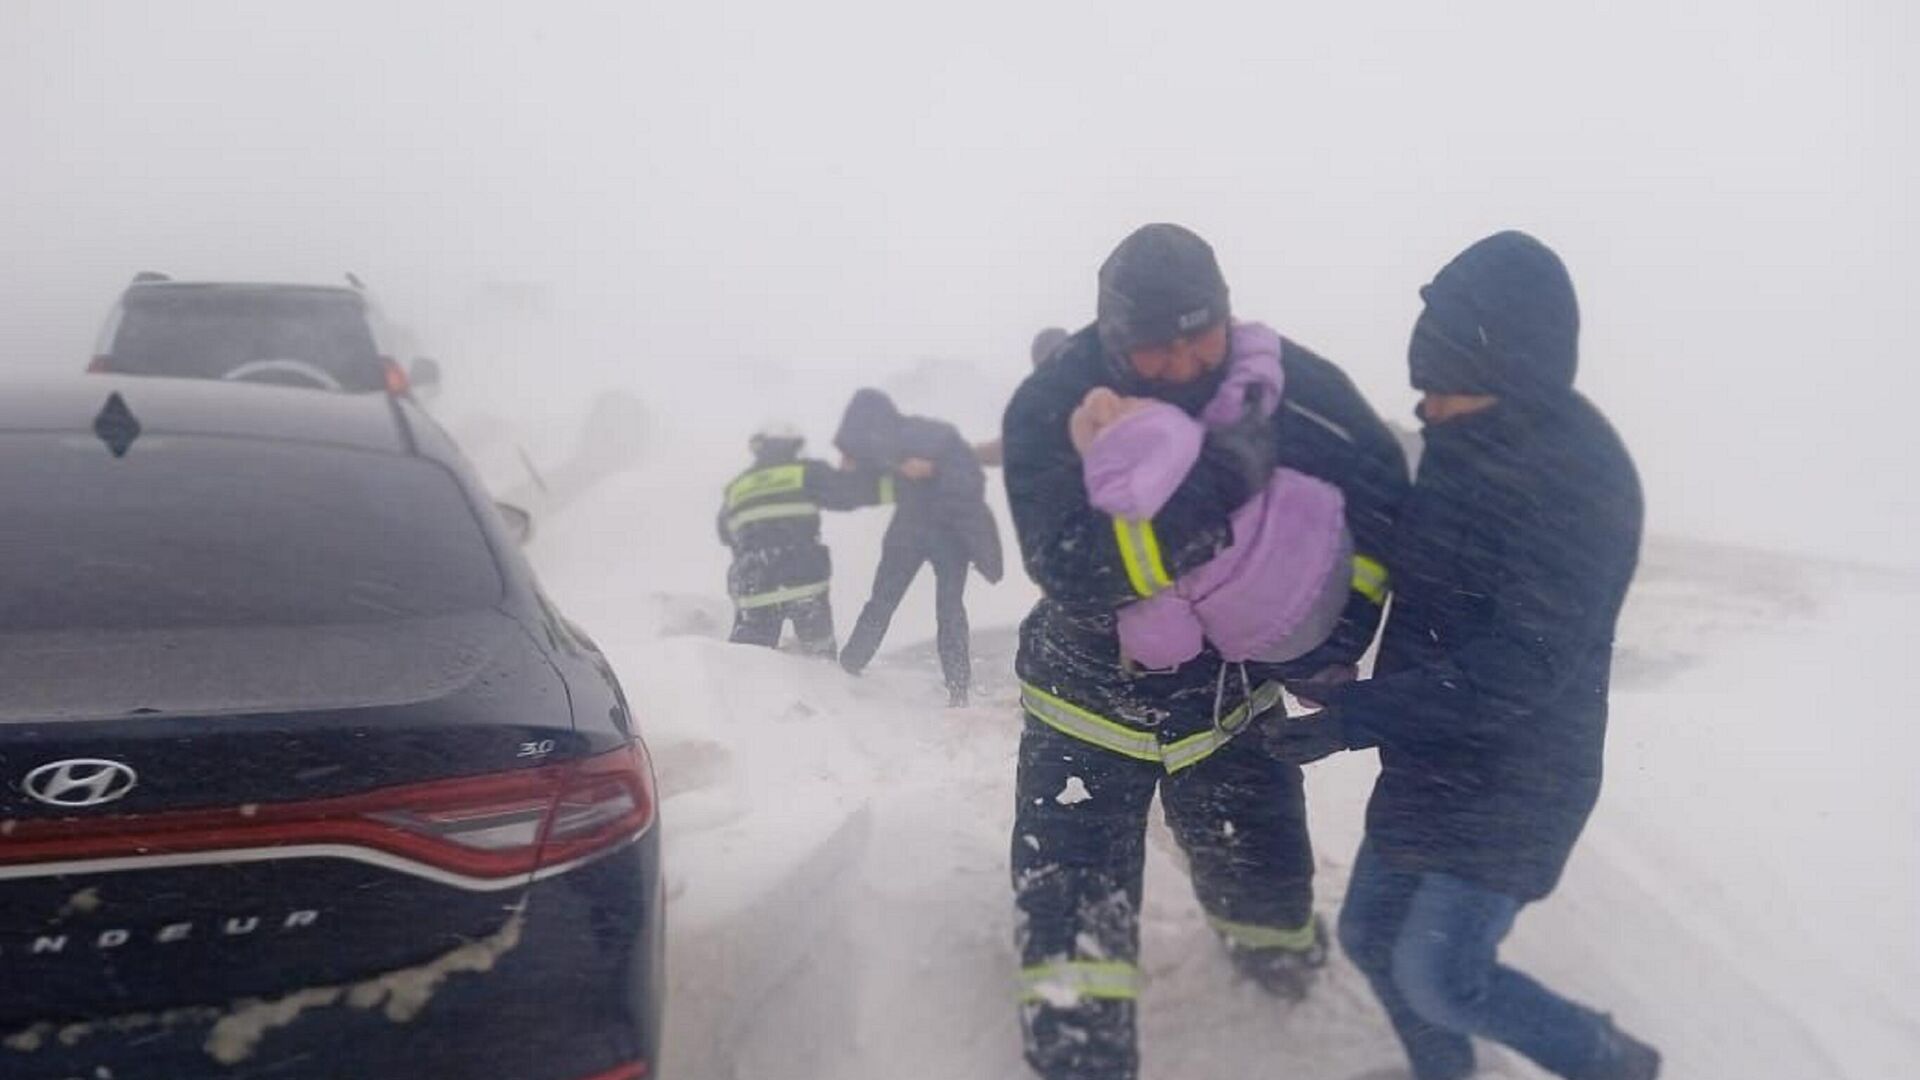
(207, 333)
(187, 531)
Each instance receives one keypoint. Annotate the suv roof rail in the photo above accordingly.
(148, 277)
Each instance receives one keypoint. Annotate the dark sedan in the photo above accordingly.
(300, 774)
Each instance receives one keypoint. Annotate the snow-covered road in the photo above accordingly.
(837, 855)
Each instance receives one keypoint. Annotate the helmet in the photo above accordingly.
(776, 438)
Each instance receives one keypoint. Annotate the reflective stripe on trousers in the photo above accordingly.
(1252, 936)
(781, 596)
(1067, 982)
(1070, 719)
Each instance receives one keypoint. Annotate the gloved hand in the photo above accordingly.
(1253, 446)
(1301, 740)
(1314, 692)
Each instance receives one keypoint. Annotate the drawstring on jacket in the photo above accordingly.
(1220, 691)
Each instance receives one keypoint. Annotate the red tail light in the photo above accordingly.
(398, 384)
(488, 831)
(605, 801)
(99, 364)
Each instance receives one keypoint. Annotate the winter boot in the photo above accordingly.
(1281, 971)
(956, 697)
(1626, 1058)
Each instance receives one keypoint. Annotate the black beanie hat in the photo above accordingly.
(1161, 284)
(1501, 319)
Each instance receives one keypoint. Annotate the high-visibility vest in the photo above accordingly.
(772, 493)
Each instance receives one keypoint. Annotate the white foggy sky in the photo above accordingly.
(1731, 184)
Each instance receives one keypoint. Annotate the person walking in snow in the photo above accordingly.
(1103, 732)
(1489, 702)
(992, 453)
(770, 517)
(942, 518)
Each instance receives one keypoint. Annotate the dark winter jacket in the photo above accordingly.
(876, 436)
(1510, 564)
(770, 517)
(1069, 647)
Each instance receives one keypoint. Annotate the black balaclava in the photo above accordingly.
(1161, 284)
(1500, 319)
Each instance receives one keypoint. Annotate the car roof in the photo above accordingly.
(169, 406)
(142, 291)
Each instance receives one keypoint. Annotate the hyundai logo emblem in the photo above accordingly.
(79, 782)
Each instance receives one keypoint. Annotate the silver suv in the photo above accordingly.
(320, 336)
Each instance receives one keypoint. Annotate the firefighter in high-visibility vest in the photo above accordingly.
(1105, 733)
(770, 517)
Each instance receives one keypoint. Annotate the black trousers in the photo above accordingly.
(1079, 855)
(812, 620)
(909, 546)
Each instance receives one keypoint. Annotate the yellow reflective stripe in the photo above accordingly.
(771, 512)
(1194, 749)
(1071, 719)
(1156, 570)
(780, 596)
(776, 480)
(887, 491)
(1064, 983)
(1299, 939)
(1263, 697)
(1136, 574)
(1140, 554)
(1370, 579)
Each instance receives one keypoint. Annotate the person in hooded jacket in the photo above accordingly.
(1489, 701)
(770, 517)
(1102, 733)
(941, 518)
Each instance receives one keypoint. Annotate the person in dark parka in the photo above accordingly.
(770, 517)
(942, 518)
(1489, 704)
(1102, 735)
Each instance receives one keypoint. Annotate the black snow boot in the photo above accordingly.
(1283, 972)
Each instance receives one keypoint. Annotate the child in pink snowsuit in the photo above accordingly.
(1277, 591)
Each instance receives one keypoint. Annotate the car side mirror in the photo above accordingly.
(519, 522)
(424, 375)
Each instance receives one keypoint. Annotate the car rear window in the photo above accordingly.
(193, 532)
(209, 334)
